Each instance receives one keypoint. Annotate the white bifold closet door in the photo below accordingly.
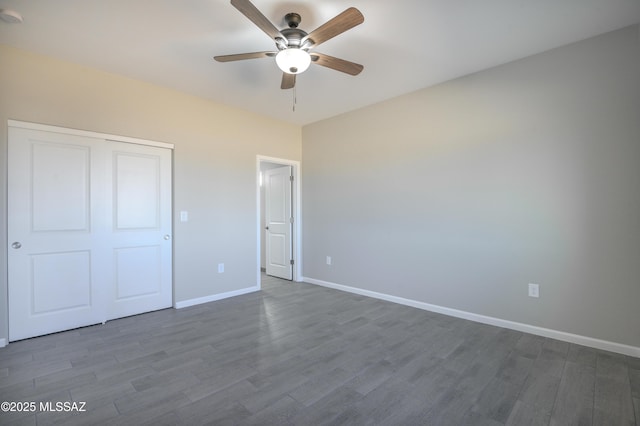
(89, 224)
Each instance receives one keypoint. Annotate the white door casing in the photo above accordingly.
(278, 219)
(85, 230)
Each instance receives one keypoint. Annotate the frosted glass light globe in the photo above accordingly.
(293, 60)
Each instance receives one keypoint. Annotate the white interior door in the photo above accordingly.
(278, 219)
(140, 230)
(54, 276)
(77, 255)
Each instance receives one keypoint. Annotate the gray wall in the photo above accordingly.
(214, 159)
(461, 194)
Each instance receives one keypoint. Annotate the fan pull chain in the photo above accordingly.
(295, 99)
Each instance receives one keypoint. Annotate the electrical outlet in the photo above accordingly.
(534, 290)
(328, 260)
(220, 268)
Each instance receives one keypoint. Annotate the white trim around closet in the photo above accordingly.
(86, 133)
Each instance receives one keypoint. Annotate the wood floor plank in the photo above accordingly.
(612, 365)
(97, 416)
(318, 387)
(582, 355)
(101, 393)
(178, 378)
(497, 399)
(388, 403)
(280, 412)
(63, 380)
(221, 407)
(18, 418)
(17, 391)
(515, 369)
(574, 402)
(524, 414)
(450, 408)
(416, 370)
(634, 378)
(549, 363)
(540, 391)
(633, 363)
(372, 377)
(272, 390)
(529, 346)
(436, 383)
(333, 409)
(137, 407)
(613, 404)
(478, 375)
(34, 369)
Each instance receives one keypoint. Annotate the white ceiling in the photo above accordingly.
(404, 45)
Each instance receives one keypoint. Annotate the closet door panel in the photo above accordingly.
(55, 276)
(141, 224)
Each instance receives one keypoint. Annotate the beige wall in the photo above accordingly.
(214, 159)
(461, 194)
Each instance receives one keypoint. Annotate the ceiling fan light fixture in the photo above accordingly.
(293, 60)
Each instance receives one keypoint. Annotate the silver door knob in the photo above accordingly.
(16, 245)
(167, 237)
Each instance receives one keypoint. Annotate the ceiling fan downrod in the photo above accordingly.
(293, 19)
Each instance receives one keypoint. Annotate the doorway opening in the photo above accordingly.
(277, 240)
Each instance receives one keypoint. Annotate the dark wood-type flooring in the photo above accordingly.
(305, 355)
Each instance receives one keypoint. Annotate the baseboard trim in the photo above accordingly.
(3, 342)
(525, 328)
(214, 297)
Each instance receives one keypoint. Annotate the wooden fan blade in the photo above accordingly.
(337, 64)
(288, 81)
(242, 56)
(250, 11)
(341, 23)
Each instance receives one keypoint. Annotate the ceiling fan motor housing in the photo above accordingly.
(294, 36)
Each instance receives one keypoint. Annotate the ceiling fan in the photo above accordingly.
(293, 54)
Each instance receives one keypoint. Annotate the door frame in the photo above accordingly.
(296, 206)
